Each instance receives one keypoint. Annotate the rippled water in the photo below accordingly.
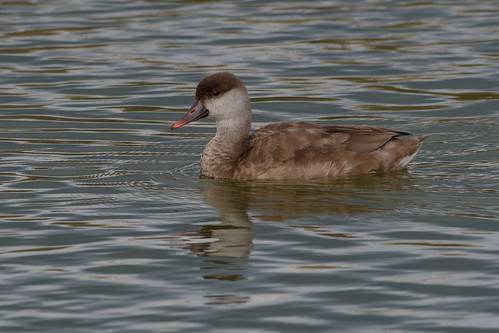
(106, 225)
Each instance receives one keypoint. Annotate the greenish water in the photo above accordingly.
(106, 226)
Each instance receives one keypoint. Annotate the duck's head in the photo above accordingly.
(221, 96)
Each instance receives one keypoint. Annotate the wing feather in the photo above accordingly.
(286, 140)
(313, 149)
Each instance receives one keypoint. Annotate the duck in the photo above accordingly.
(289, 149)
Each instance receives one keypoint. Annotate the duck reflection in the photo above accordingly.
(285, 200)
(234, 235)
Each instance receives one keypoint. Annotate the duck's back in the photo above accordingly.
(299, 150)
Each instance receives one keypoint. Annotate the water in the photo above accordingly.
(106, 225)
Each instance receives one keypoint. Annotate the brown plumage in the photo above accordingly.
(288, 150)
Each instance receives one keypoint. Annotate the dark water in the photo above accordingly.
(106, 225)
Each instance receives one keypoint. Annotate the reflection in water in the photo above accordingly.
(234, 235)
(285, 200)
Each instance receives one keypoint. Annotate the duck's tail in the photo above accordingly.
(397, 153)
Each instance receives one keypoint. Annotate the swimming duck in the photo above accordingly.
(289, 149)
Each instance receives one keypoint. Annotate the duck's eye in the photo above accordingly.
(215, 93)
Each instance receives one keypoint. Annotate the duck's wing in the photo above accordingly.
(361, 139)
(313, 150)
(283, 141)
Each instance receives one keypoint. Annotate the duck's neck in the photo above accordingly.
(221, 155)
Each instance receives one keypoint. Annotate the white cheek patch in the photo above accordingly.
(232, 104)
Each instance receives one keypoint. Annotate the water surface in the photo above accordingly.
(106, 225)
